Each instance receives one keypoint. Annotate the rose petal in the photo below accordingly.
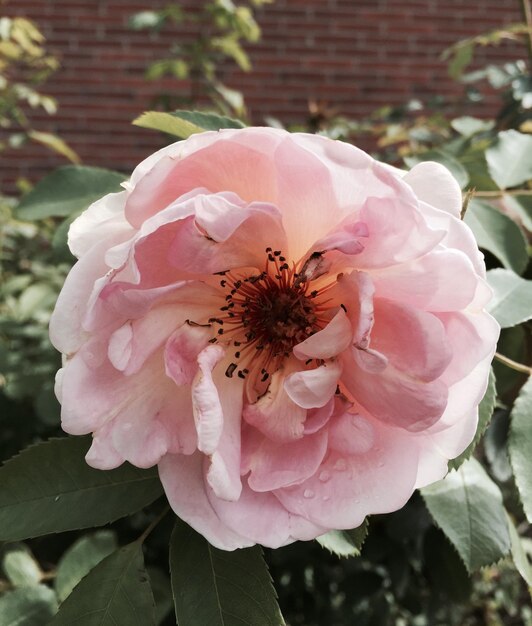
(329, 342)
(315, 387)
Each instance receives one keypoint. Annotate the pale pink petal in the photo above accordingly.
(435, 185)
(135, 341)
(397, 232)
(458, 235)
(355, 292)
(102, 454)
(181, 352)
(444, 280)
(315, 387)
(183, 481)
(223, 473)
(263, 519)
(66, 332)
(348, 238)
(275, 414)
(148, 413)
(351, 433)
(478, 331)
(329, 342)
(208, 412)
(274, 465)
(394, 397)
(414, 341)
(103, 219)
(348, 487)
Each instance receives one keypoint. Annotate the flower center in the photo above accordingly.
(268, 313)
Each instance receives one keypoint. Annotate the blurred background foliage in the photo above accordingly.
(408, 572)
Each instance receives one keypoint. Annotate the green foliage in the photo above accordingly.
(49, 488)
(512, 298)
(485, 411)
(183, 124)
(345, 542)
(25, 65)
(467, 506)
(20, 567)
(68, 190)
(222, 28)
(509, 159)
(116, 591)
(28, 606)
(220, 588)
(520, 446)
(499, 234)
(80, 559)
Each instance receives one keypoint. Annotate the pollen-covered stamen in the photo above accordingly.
(266, 314)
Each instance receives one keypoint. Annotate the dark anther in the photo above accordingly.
(268, 249)
(237, 343)
(241, 374)
(221, 273)
(282, 259)
(265, 377)
(237, 354)
(230, 370)
(220, 331)
(308, 361)
(223, 283)
(277, 252)
(343, 307)
(193, 323)
(313, 294)
(271, 257)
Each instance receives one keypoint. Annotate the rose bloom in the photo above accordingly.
(292, 331)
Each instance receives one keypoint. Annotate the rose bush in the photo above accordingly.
(292, 331)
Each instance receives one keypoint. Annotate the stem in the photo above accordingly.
(518, 367)
(505, 192)
(154, 523)
(527, 14)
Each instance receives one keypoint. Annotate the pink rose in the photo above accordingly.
(292, 331)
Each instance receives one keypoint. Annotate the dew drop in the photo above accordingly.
(56, 499)
(324, 476)
(340, 465)
(308, 493)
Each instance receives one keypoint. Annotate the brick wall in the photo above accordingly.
(356, 55)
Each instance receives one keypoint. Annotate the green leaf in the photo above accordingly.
(28, 606)
(512, 298)
(512, 344)
(445, 569)
(68, 190)
(522, 207)
(345, 542)
(220, 588)
(497, 233)
(182, 124)
(446, 159)
(80, 558)
(48, 488)
(467, 506)
(20, 567)
(485, 411)
(519, 555)
(461, 56)
(116, 591)
(510, 159)
(54, 143)
(468, 126)
(520, 445)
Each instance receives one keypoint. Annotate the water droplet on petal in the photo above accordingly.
(324, 476)
(308, 493)
(340, 465)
